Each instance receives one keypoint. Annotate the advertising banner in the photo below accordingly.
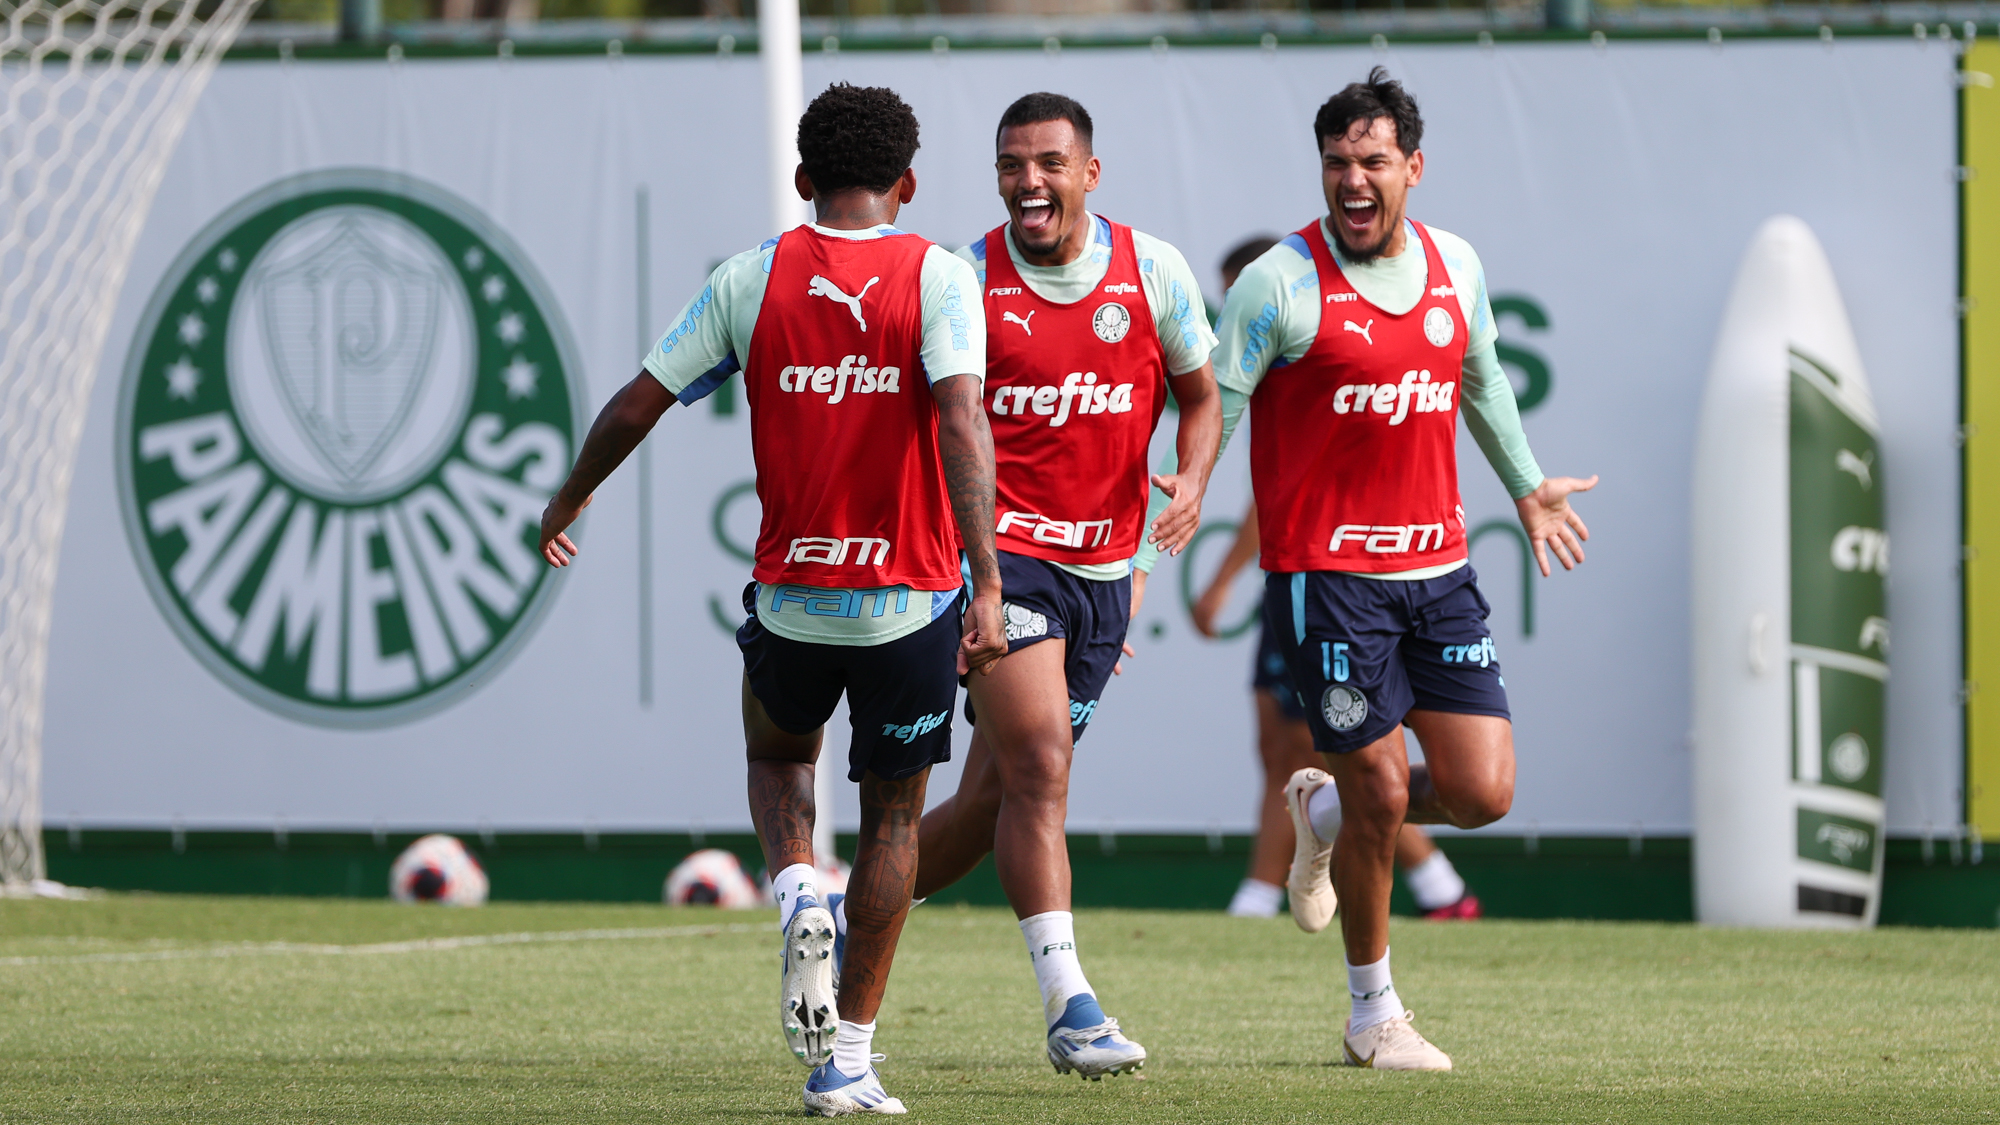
(1791, 633)
(378, 301)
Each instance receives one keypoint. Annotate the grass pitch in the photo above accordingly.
(140, 1009)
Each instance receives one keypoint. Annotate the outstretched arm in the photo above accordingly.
(1552, 524)
(1195, 447)
(1240, 553)
(966, 443)
(1542, 502)
(620, 427)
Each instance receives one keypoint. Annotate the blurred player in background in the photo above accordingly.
(864, 358)
(1284, 741)
(1090, 323)
(1354, 337)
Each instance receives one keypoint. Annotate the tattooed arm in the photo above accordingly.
(966, 445)
(620, 427)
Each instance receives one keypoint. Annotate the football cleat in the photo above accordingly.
(1309, 883)
(829, 1093)
(806, 998)
(1465, 909)
(1393, 1044)
(1093, 1051)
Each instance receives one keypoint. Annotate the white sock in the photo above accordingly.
(853, 1043)
(1051, 941)
(1256, 899)
(1323, 809)
(1373, 994)
(789, 886)
(1434, 883)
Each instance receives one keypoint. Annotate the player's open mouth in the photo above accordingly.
(1036, 214)
(1359, 214)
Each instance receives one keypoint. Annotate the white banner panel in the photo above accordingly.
(1609, 193)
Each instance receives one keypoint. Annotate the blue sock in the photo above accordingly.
(1082, 1011)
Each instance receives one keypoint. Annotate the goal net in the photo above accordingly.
(96, 93)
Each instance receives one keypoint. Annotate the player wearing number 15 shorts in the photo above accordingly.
(1358, 338)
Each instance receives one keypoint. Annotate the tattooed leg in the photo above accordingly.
(878, 891)
(781, 785)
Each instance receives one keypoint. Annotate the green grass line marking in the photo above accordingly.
(425, 945)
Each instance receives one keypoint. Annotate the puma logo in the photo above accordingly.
(1010, 318)
(1362, 329)
(1847, 462)
(821, 287)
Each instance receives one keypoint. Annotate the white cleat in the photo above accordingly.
(1309, 883)
(1094, 1052)
(806, 999)
(829, 1093)
(1393, 1044)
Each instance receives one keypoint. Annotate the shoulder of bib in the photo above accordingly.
(1000, 271)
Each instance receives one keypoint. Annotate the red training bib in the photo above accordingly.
(1073, 393)
(842, 421)
(1353, 446)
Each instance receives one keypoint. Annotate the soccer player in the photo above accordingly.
(1284, 742)
(1357, 338)
(1285, 746)
(862, 358)
(1091, 323)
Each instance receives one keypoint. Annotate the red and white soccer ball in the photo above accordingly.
(437, 868)
(833, 878)
(712, 877)
(830, 878)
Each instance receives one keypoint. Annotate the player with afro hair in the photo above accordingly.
(857, 137)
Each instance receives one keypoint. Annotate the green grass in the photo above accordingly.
(1548, 1021)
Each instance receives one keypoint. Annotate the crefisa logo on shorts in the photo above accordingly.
(344, 410)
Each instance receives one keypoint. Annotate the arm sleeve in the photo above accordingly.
(1233, 403)
(698, 353)
(954, 317)
(1495, 422)
(974, 255)
(1179, 315)
(1260, 323)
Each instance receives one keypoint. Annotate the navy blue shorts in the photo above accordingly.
(1364, 652)
(1270, 675)
(899, 694)
(1040, 600)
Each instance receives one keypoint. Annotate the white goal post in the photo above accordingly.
(96, 94)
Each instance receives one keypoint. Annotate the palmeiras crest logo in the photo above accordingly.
(345, 408)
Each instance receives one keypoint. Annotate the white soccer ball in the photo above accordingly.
(712, 877)
(437, 868)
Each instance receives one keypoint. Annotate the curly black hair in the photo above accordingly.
(1379, 96)
(1247, 251)
(857, 137)
(1033, 109)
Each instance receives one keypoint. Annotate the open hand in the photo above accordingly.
(1553, 525)
(1177, 525)
(556, 518)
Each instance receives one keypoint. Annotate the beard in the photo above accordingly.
(1362, 255)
